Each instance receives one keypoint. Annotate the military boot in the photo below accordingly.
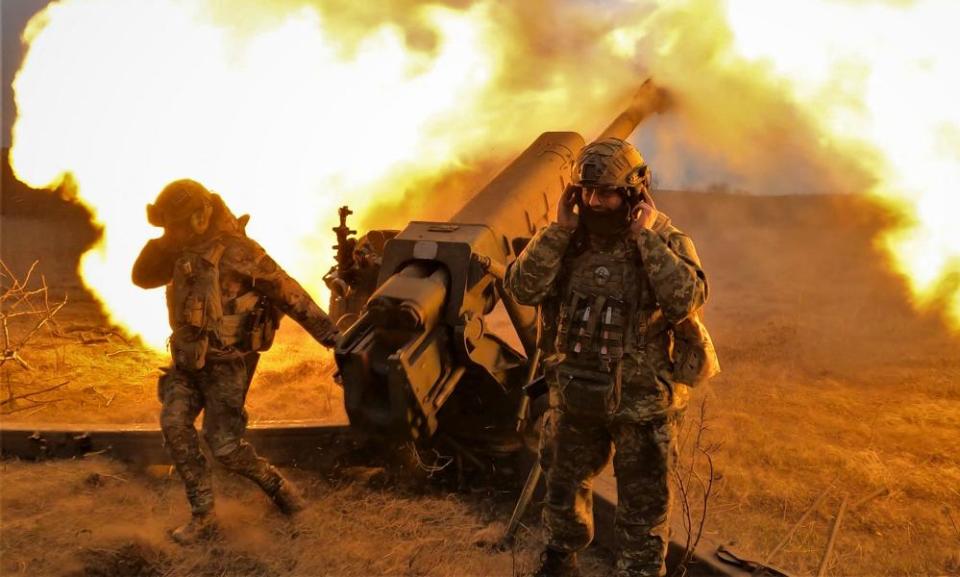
(201, 527)
(288, 498)
(555, 563)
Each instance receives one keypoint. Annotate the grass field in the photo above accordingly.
(831, 380)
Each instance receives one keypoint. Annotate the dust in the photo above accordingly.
(588, 61)
(570, 65)
(132, 559)
(831, 381)
(119, 527)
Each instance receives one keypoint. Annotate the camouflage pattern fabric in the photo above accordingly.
(573, 452)
(671, 288)
(244, 266)
(219, 389)
(671, 285)
(530, 277)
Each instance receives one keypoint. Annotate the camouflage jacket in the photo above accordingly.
(244, 266)
(671, 285)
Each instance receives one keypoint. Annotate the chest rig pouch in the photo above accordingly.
(251, 324)
(193, 299)
(594, 329)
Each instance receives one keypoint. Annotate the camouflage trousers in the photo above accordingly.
(220, 391)
(574, 451)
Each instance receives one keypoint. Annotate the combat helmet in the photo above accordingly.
(613, 163)
(177, 201)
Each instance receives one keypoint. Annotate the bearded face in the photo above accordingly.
(604, 210)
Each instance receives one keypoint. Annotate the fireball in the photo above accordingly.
(287, 119)
(289, 110)
(881, 77)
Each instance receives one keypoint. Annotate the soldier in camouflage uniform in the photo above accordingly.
(614, 279)
(225, 297)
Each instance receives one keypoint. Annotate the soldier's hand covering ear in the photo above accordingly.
(566, 217)
(644, 216)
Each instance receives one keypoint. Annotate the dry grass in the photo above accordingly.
(115, 381)
(96, 518)
(829, 376)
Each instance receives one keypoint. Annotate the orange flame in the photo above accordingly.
(286, 120)
(289, 110)
(828, 95)
(883, 77)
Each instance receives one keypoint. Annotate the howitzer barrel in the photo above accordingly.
(425, 328)
(522, 198)
(412, 299)
(531, 184)
(647, 101)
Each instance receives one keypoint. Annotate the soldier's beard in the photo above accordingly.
(606, 222)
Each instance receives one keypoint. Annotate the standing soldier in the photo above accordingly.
(225, 298)
(617, 281)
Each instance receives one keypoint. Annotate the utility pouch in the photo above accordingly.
(589, 394)
(193, 312)
(271, 322)
(197, 310)
(189, 348)
(694, 356)
(566, 321)
(263, 322)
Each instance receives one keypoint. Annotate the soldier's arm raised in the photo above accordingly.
(154, 266)
(530, 277)
(672, 264)
(287, 294)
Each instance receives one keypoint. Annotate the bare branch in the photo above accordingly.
(811, 509)
(37, 405)
(867, 498)
(122, 351)
(701, 455)
(17, 285)
(13, 355)
(832, 539)
(43, 322)
(34, 393)
(26, 309)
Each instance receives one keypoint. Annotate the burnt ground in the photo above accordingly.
(831, 379)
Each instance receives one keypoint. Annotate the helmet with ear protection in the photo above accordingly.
(613, 163)
(177, 201)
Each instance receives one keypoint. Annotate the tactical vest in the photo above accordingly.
(607, 309)
(210, 321)
(598, 303)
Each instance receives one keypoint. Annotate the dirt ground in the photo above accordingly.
(831, 380)
(96, 517)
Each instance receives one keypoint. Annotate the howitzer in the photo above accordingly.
(353, 279)
(421, 355)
